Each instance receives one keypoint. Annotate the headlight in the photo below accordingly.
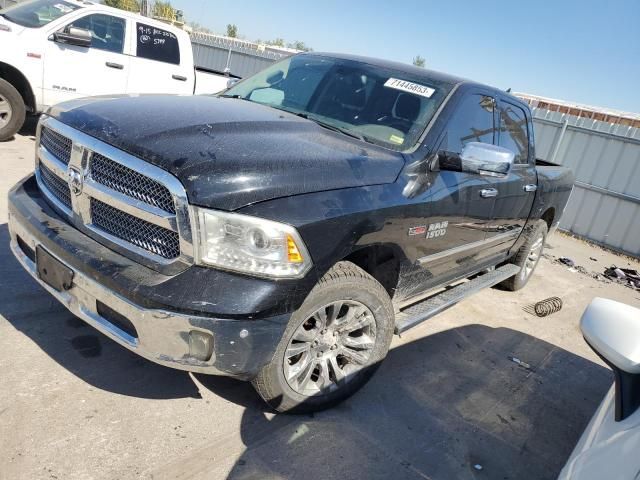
(250, 245)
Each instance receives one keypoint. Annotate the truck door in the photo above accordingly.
(460, 203)
(71, 71)
(161, 63)
(516, 191)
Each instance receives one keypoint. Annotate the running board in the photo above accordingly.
(424, 310)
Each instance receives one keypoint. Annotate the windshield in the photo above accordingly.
(382, 106)
(38, 13)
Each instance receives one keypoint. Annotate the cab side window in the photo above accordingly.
(107, 32)
(471, 122)
(157, 44)
(513, 131)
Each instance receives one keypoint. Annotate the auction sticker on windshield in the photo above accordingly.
(410, 87)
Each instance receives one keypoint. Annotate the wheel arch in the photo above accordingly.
(16, 78)
(381, 261)
(548, 216)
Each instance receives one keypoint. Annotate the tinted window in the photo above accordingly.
(38, 13)
(157, 44)
(471, 122)
(513, 131)
(107, 32)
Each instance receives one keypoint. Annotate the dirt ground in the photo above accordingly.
(448, 402)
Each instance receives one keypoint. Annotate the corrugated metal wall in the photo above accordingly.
(241, 58)
(605, 158)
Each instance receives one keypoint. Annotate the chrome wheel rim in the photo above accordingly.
(6, 112)
(533, 257)
(329, 348)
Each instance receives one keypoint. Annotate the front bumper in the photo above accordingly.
(240, 346)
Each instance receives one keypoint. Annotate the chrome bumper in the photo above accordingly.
(162, 336)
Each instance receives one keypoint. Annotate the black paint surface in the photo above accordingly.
(228, 152)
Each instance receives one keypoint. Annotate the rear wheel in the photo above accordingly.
(332, 345)
(12, 110)
(527, 257)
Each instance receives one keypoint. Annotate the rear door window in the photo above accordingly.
(513, 131)
(471, 122)
(157, 44)
(107, 32)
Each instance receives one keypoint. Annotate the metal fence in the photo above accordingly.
(238, 57)
(605, 159)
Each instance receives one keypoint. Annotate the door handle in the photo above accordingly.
(530, 187)
(179, 77)
(117, 66)
(488, 192)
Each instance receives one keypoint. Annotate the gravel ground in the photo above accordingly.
(75, 405)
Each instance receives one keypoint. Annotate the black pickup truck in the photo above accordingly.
(282, 231)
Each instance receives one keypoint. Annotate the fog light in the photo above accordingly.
(200, 345)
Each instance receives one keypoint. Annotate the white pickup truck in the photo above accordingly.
(57, 50)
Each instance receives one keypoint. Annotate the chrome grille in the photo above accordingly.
(58, 187)
(58, 145)
(129, 205)
(125, 180)
(148, 236)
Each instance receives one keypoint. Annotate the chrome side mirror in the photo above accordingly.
(612, 330)
(487, 159)
(480, 158)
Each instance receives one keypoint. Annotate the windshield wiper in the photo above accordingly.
(335, 128)
(329, 126)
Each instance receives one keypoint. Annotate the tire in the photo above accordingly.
(345, 297)
(12, 110)
(527, 257)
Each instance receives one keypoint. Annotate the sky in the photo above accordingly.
(583, 51)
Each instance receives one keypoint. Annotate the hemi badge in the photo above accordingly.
(419, 230)
(33, 55)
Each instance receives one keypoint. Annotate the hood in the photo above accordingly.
(229, 153)
(8, 28)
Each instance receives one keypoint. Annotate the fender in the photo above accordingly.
(20, 81)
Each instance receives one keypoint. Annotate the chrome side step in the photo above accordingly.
(429, 307)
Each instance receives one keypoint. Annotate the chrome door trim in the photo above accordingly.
(500, 238)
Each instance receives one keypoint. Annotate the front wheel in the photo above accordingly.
(527, 257)
(332, 345)
(12, 110)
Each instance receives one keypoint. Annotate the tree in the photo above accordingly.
(164, 10)
(278, 42)
(418, 61)
(128, 5)
(298, 45)
(232, 30)
(199, 28)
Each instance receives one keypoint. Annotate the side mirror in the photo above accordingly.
(480, 158)
(74, 36)
(612, 330)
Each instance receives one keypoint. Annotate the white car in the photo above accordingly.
(609, 447)
(57, 50)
